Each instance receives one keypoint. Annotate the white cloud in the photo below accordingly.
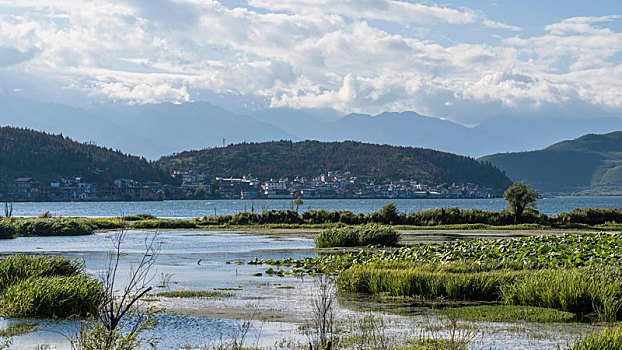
(304, 54)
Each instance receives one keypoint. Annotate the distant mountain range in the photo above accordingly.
(590, 164)
(154, 130)
(311, 158)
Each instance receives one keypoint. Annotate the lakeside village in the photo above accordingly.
(333, 185)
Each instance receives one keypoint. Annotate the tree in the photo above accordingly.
(298, 202)
(519, 196)
(389, 214)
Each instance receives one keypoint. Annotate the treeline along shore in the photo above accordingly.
(444, 218)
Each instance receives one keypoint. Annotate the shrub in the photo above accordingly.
(59, 296)
(357, 236)
(53, 227)
(16, 268)
(165, 224)
(138, 217)
(589, 216)
(7, 229)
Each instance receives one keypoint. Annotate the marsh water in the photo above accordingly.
(276, 306)
(199, 208)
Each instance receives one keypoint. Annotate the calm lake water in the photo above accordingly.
(199, 208)
(209, 260)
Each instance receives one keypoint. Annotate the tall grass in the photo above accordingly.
(16, 268)
(165, 224)
(357, 236)
(7, 229)
(594, 291)
(53, 227)
(606, 339)
(426, 281)
(52, 297)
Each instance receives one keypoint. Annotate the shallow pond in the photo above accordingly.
(278, 306)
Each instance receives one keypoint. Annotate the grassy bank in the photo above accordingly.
(436, 219)
(46, 286)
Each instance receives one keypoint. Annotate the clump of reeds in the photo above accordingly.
(19, 267)
(426, 282)
(358, 236)
(606, 339)
(59, 296)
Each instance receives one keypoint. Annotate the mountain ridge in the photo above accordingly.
(590, 164)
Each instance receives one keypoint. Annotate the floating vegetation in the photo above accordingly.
(533, 252)
(195, 294)
(509, 313)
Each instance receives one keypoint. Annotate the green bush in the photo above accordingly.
(52, 297)
(53, 227)
(589, 216)
(606, 339)
(7, 229)
(165, 224)
(16, 268)
(357, 236)
(426, 281)
(138, 217)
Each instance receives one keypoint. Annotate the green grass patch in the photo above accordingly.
(355, 236)
(509, 313)
(16, 268)
(606, 339)
(195, 294)
(426, 281)
(594, 291)
(52, 297)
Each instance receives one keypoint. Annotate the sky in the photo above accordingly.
(465, 61)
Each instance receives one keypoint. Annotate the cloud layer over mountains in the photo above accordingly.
(348, 56)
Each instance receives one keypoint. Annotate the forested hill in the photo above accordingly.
(45, 157)
(311, 158)
(590, 164)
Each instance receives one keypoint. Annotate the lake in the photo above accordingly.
(199, 208)
(277, 306)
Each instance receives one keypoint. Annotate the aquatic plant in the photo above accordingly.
(426, 281)
(582, 291)
(607, 339)
(53, 227)
(59, 296)
(16, 268)
(357, 236)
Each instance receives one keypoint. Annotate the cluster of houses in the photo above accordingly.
(340, 185)
(196, 186)
(78, 189)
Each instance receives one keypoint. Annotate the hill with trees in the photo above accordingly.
(590, 164)
(45, 157)
(279, 159)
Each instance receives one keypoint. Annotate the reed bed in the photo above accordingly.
(358, 236)
(16, 268)
(426, 282)
(58, 296)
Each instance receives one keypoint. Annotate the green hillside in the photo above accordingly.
(590, 164)
(45, 157)
(312, 158)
